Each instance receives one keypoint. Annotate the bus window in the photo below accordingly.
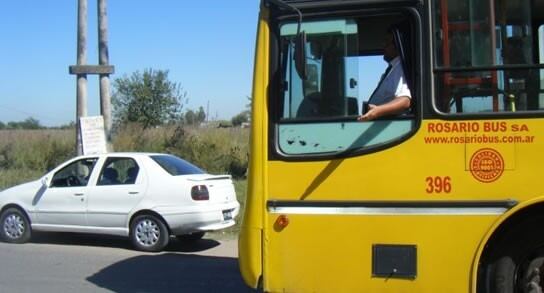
(485, 56)
(317, 116)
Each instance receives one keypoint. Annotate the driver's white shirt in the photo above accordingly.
(392, 85)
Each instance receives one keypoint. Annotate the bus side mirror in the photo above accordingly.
(300, 55)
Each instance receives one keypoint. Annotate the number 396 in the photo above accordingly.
(438, 184)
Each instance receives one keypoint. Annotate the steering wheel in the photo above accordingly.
(72, 181)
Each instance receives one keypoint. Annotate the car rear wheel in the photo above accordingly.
(15, 226)
(149, 233)
(191, 237)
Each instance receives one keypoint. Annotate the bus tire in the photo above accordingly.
(516, 261)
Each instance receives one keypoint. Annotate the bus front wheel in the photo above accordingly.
(515, 262)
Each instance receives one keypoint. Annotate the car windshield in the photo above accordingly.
(176, 166)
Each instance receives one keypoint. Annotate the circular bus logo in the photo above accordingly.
(486, 165)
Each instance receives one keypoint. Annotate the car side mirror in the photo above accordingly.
(45, 181)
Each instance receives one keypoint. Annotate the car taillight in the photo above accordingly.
(200, 192)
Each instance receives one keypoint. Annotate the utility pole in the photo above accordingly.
(81, 91)
(81, 70)
(103, 60)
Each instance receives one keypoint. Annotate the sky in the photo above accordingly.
(207, 47)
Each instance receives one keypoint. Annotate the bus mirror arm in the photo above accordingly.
(300, 40)
(300, 55)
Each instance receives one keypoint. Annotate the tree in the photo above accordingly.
(13, 125)
(30, 123)
(149, 98)
(190, 117)
(201, 115)
(240, 118)
(69, 125)
(243, 116)
(2, 125)
(194, 118)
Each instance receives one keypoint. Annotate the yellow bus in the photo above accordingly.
(443, 197)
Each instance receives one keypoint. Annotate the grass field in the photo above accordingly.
(27, 154)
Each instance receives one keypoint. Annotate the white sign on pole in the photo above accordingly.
(93, 136)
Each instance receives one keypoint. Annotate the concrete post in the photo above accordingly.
(81, 78)
(103, 59)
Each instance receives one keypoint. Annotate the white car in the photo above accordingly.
(147, 197)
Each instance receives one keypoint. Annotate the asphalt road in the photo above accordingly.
(57, 262)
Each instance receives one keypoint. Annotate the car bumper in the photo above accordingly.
(210, 218)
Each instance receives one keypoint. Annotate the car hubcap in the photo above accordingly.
(14, 226)
(147, 232)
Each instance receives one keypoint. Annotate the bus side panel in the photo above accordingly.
(488, 160)
(333, 253)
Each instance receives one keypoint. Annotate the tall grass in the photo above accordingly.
(216, 150)
(27, 154)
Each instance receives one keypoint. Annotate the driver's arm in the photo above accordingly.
(394, 107)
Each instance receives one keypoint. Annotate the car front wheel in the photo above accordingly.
(149, 233)
(15, 226)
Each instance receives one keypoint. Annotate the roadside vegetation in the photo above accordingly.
(27, 154)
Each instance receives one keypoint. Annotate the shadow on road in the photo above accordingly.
(170, 272)
(117, 242)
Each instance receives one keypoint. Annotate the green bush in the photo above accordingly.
(216, 150)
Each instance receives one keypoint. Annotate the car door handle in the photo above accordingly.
(79, 194)
(133, 192)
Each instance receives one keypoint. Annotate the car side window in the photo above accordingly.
(118, 171)
(75, 174)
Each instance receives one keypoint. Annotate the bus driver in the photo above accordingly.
(392, 95)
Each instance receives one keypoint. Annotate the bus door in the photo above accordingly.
(327, 171)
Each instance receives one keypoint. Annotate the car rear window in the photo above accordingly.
(176, 166)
